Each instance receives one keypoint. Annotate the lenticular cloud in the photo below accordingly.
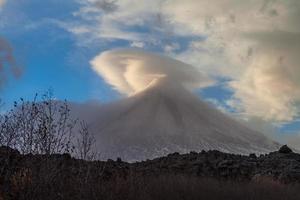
(130, 71)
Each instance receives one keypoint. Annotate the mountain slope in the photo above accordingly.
(166, 118)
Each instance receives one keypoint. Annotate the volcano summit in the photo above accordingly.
(165, 118)
(161, 115)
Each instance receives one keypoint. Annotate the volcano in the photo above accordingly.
(166, 118)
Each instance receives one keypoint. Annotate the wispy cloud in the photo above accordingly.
(253, 44)
(107, 6)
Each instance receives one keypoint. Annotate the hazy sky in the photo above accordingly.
(248, 51)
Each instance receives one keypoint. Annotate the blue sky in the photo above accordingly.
(49, 55)
(54, 42)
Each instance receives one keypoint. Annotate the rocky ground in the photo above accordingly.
(63, 177)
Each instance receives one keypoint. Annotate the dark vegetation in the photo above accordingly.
(45, 126)
(204, 175)
(41, 159)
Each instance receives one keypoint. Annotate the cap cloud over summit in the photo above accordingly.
(130, 71)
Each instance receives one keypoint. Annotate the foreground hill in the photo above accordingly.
(208, 175)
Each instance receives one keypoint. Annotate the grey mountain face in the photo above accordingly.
(166, 118)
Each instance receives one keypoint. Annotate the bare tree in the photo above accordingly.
(85, 143)
(24, 123)
(9, 126)
(43, 127)
(55, 126)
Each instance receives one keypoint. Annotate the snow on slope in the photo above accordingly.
(166, 118)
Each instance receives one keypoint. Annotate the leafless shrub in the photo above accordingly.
(9, 130)
(45, 126)
(39, 127)
(85, 143)
(55, 127)
(22, 123)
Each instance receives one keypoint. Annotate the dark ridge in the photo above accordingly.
(206, 174)
(285, 149)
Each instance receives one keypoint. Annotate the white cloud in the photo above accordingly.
(130, 71)
(254, 43)
(110, 18)
(137, 44)
(169, 48)
(270, 85)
